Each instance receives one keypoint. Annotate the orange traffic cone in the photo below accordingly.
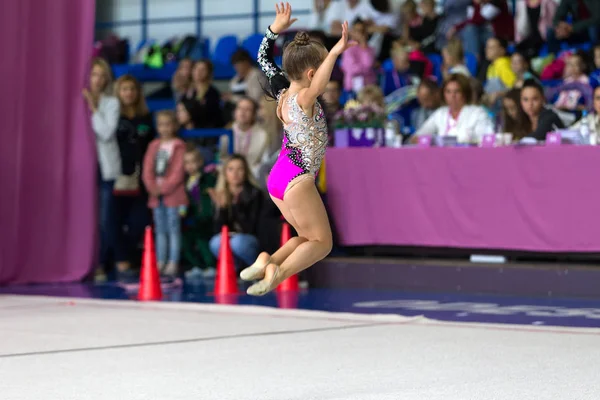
(291, 283)
(226, 279)
(149, 277)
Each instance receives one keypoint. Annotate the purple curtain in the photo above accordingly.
(47, 156)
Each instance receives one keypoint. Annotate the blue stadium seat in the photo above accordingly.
(437, 61)
(145, 74)
(251, 44)
(224, 49)
(160, 104)
(471, 62)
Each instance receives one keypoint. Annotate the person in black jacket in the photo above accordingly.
(202, 90)
(541, 119)
(134, 132)
(238, 205)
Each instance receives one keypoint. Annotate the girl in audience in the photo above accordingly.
(134, 133)
(238, 204)
(357, 62)
(541, 120)
(182, 78)
(209, 98)
(371, 95)
(105, 111)
(198, 222)
(521, 66)
(249, 138)
(164, 177)
(419, 30)
(188, 112)
(454, 59)
(467, 122)
(593, 118)
(575, 73)
(514, 119)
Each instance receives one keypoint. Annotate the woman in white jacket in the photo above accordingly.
(105, 110)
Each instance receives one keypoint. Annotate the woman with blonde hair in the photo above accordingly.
(134, 133)
(105, 110)
(238, 203)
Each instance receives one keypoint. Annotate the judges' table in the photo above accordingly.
(515, 198)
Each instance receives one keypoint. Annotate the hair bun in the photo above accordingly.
(302, 39)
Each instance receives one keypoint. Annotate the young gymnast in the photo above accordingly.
(291, 183)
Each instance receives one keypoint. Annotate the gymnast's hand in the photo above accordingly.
(343, 44)
(283, 18)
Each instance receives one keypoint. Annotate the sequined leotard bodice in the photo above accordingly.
(305, 138)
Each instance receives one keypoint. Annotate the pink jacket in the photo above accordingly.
(522, 28)
(358, 61)
(172, 188)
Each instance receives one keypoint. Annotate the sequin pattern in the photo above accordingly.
(306, 137)
(268, 67)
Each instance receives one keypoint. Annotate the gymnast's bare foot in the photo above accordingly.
(256, 270)
(270, 281)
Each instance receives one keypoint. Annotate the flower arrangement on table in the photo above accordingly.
(359, 125)
(357, 115)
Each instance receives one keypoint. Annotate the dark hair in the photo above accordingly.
(383, 6)
(209, 66)
(463, 83)
(301, 54)
(585, 61)
(241, 55)
(521, 126)
(429, 85)
(502, 42)
(532, 83)
(194, 108)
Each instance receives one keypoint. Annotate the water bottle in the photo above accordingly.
(584, 128)
(392, 131)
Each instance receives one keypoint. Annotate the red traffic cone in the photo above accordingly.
(226, 279)
(149, 277)
(291, 283)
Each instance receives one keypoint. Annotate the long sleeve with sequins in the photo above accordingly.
(277, 80)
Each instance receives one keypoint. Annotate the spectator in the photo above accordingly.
(182, 78)
(454, 12)
(324, 13)
(593, 118)
(595, 75)
(541, 120)
(272, 125)
(533, 18)
(457, 118)
(500, 77)
(331, 103)
(521, 66)
(105, 111)
(238, 202)
(419, 31)
(351, 10)
(164, 177)
(248, 80)
(514, 120)
(575, 72)
(404, 74)
(382, 29)
(454, 59)
(586, 17)
(357, 62)
(134, 133)
(198, 222)
(188, 114)
(486, 19)
(371, 95)
(428, 95)
(249, 139)
(209, 98)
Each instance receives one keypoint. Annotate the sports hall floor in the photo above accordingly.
(78, 341)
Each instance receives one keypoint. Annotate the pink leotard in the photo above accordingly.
(304, 139)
